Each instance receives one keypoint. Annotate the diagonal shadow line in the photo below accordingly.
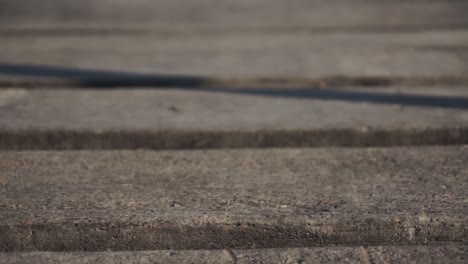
(355, 96)
(100, 78)
(95, 79)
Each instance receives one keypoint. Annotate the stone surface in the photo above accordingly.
(250, 109)
(231, 117)
(244, 74)
(236, 39)
(238, 14)
(142, 200)
(385, 254)
(260, 38)
(290, 54)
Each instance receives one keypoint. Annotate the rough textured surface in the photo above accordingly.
(243, 117)
(378, 255)
(243, 74)
(144, 200)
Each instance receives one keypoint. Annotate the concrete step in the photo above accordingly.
(203, 117)
(238, 14)
(81, 59)
(383, 254)
(143, 200)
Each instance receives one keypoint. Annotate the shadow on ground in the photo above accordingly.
(99, 79)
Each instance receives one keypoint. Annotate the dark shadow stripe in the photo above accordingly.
(46, 77)
(99, 78)
(355, 96)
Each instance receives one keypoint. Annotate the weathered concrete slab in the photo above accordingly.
(140, 200)
(231, 117)
(239, 14)
(386, 254)
(145, 57)
(231, 39)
